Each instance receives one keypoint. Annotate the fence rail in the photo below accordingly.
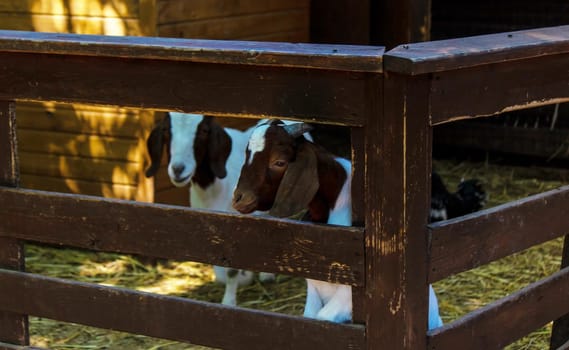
(465, 243)
(171, 232)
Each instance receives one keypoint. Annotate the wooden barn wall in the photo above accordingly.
(452, 19)
(78, 148)
(267, 20)
(102, 151)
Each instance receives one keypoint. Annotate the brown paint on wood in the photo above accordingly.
(13, 326)
(400, 22)
(253, 243)
(171, 11)
(453, 54)
(340, 21)
(467, 242)
(170, 317)
(327, 57)
(560, 330)
(321, 95)
(67, 185)
(228, 28)
(73, 24)
(80, 119)
(508, 319)
(108, 8)
(87, 146)
(397, 182)
(357, 137)
(494, 88)
(74, 167)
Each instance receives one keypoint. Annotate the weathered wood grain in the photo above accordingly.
(454, 54)
(109, 8)
(80, 119)
(397, 181)
(67, 185)
(560, 330)
(399, 22)
(170, 317)
(498, 87)
(13, 326)
(313, 94)
(467, 242)
(169, 10)
(506, 320)
(228, 28)
(79, 145)
(328, 57)
(250, 242)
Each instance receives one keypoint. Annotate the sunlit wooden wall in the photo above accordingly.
(102, 150)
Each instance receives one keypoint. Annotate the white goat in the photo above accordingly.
(277, 158)
(208, 157)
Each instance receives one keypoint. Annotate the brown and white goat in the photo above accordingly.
(285, 173)
(208, 157)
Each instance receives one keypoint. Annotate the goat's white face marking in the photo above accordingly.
(183, 130)
(257, 141)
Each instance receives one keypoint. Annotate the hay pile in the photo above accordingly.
(458, 294)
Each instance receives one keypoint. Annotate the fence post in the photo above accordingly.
(13, 327)
(397, 193)
(560, 330)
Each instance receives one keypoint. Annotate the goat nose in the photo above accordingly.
(237, 197)
(178, 169)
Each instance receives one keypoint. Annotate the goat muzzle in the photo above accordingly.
(244, 202)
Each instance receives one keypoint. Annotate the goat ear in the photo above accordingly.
(218, 149)
(299, 184)
(155, 145)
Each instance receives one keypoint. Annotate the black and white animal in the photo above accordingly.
(468, 198)
(207, 157)
(277, 158)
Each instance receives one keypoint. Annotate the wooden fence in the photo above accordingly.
(389, 101)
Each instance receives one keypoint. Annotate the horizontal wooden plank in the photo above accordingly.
(173, 11)
(292, 36)
(506, 320)
(172, 195)
(498, 88)
(170, 317)
(89, 169)
(467, 242)
(453, 54)
(314, 95)
(238, 27)
(67, 185)
(83, 119)
(241, 241)
(86, 146)
(528, 141)
(5, 346)
(315, 56)
(108, 8)
(73, 24)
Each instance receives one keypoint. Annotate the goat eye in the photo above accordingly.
(279, 163)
